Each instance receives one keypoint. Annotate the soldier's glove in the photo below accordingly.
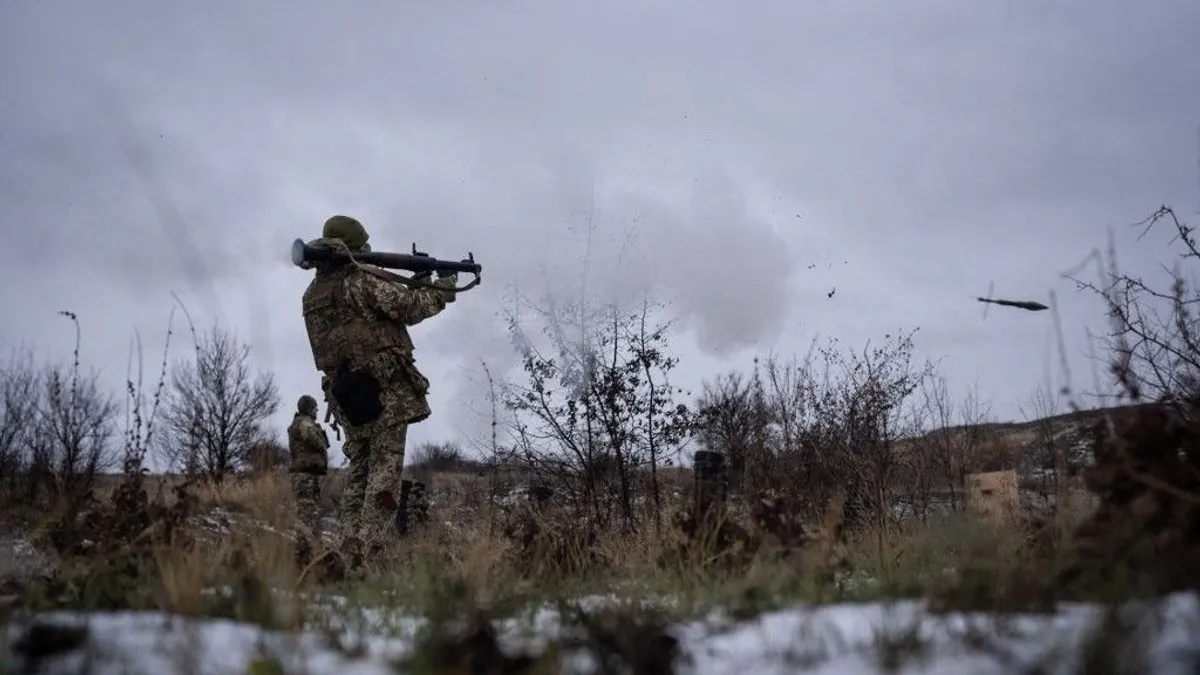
(422, 276)
(448, 281)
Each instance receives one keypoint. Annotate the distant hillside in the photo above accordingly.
(1031, 447)
(1075, 418)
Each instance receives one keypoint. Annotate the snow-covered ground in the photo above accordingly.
(834, 640)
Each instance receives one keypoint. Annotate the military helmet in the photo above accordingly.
(307, 405)
(348, 230)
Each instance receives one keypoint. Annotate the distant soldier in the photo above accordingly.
(309, 445)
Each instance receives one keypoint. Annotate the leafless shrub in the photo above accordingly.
(58, 428)
(810, 428)
(443, 458)
(956, 439)
(1045, 459)
(600, 411)
(1153, 333)
(20, 385)
(140, 415)
(216, 408)
(71, 439)
(732, 416)
(869, 417)
(1145, 535)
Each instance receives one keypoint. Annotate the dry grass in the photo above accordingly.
(471, 539)
(485, 558)
(470, 559)
(499, 553)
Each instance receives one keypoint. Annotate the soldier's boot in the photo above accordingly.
(381, 528)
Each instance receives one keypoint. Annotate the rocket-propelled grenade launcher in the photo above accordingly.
(1020, 304)
(421, 264)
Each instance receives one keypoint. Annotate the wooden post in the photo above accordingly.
(711, 485)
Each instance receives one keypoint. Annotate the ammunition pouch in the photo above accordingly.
(358, 396)
(416, 406)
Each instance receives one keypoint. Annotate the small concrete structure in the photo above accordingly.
(994, 495)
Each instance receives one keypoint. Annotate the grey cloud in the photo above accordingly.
(722, 267)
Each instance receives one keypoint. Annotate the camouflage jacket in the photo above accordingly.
(359, 322)
(353, 316)
(309, 445)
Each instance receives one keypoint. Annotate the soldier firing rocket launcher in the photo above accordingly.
(421, 264)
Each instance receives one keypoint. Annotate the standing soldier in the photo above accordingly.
(309, 446)
(356, 317)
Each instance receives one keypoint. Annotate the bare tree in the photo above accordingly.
(663, 424)
(1045, 460)
(216, 408)
(735, 416)
(72, 440)
(869, 418)
(74, 427)
(728, 417)
(57, 428)
(957, 437)
(20, 387)
(796, 394)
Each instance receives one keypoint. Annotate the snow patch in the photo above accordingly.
(833, 640)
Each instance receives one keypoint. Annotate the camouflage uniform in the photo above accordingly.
(357, 322)
(351, 502)
(309, 445)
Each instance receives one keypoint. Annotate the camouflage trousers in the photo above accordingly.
(306, 493)
(376, 452)
(371, 496)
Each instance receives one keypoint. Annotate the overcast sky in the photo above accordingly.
(739, 159)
